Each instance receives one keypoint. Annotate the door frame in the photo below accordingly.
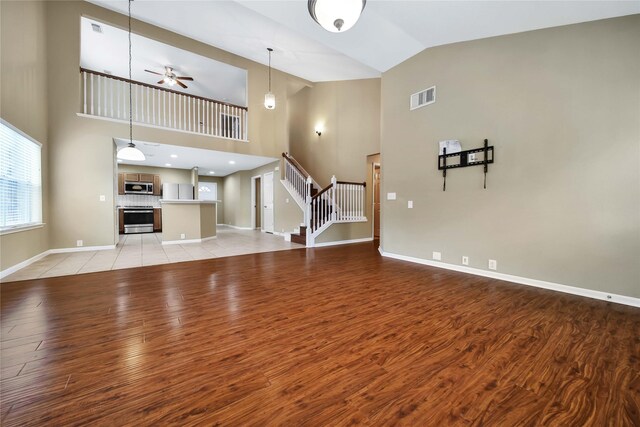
(273, 200)
(253, 203)
(373, 199)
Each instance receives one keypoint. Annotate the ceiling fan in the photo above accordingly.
(170, 78)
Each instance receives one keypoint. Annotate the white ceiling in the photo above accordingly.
(388, 33)
(109, 52)
(206, 161)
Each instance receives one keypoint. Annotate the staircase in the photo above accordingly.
(339, 202)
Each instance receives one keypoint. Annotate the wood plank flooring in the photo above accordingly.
(329, 336)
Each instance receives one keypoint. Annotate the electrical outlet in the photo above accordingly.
(437, 256)
(103, 198)
(465, 260)
(410, 204)
(493, 264)
(183, 236)
(79, 243)
(286, 200)
(391, 196)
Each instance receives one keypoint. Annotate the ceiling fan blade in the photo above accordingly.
(184, 86)
(161, 82)
(185, 78)
(153, 72)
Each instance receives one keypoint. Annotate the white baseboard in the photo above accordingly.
(23, 264)
(589, 293)
(185, 241)
(81, 249)
(236, 227)
(343, 242)
(4, 273)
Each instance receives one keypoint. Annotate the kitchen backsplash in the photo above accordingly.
(138, 200)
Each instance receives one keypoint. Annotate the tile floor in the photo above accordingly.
(135, 250)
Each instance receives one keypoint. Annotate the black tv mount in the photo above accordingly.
(464, 160)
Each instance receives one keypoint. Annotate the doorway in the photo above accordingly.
(376, 200)
(256, 202)
(267, 200)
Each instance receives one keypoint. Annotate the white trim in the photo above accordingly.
(343, 242)
(236, 227)
(20, 228)
(178, 242)
(81, 249)
(108, 119)
(18, 131)
(4, 273)
(253, 200)
(589, 293)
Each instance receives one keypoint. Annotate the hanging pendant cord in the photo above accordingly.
(130, 90)
(269, 70)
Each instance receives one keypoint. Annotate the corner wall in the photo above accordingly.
(23, 103)
(562, 108)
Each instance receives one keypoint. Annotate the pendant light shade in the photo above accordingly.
(269, 97)
(336, 16)
(130, 152)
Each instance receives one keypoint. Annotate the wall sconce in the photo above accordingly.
(319, 128)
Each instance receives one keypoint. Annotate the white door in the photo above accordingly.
(267, 200)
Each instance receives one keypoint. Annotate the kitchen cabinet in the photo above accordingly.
(145, 177)
(132, 177)
(157, 219)
(121, 220)
(121, 184)
(157, 185)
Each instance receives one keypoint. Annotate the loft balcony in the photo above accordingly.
(106, 96)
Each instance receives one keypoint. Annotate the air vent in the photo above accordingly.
(97, 28)
(422, 98)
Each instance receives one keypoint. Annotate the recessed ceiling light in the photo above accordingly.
(167, 164)
(232, 162)
(174, 156)
(211, 172)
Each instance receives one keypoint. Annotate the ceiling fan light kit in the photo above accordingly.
(170, 78)
(130, 152)
(336, 16)
(269, 97)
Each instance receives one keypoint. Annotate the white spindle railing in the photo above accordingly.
(338, 202)
(108, 96)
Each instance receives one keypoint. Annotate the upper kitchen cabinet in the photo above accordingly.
(132, 177)
(157, 185)
(146, 177)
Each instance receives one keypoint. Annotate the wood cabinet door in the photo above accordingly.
(132, 177)
(120, 183)
(145, 177)
(157, 185)
(157, 219)
(121, 220)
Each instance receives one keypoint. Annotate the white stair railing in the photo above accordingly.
(107, 96)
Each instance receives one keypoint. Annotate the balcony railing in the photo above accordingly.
(107, 96)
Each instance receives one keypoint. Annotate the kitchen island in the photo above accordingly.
(188, 221)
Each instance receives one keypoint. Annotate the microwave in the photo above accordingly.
(138, 188)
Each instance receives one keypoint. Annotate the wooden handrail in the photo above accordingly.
(122, 79)
(296, 165)
(364, 184)
(322, 191)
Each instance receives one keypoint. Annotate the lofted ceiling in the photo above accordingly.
(388, 32)
(207, 161)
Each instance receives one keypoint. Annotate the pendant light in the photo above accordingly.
(269, 98)
(336, 16)
(130, 152)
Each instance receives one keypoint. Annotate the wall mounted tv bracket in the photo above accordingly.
(465, 158)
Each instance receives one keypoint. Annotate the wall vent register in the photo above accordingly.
(422, 98)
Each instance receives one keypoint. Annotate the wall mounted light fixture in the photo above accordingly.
(318, 129)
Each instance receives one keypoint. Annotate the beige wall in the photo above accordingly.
(83, 147)
(23, 103)
(237, 200)
(350, 114)
(562, 108)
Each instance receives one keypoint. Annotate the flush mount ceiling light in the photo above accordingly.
(269, 98)
(336, 16)
(130, 152)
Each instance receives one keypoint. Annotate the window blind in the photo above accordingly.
(20, 179)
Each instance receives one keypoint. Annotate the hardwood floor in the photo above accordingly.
(330, 336)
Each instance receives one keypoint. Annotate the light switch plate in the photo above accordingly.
(410, 204)
(391, 196)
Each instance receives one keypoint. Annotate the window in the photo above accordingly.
(20, 179)
(207, 191)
